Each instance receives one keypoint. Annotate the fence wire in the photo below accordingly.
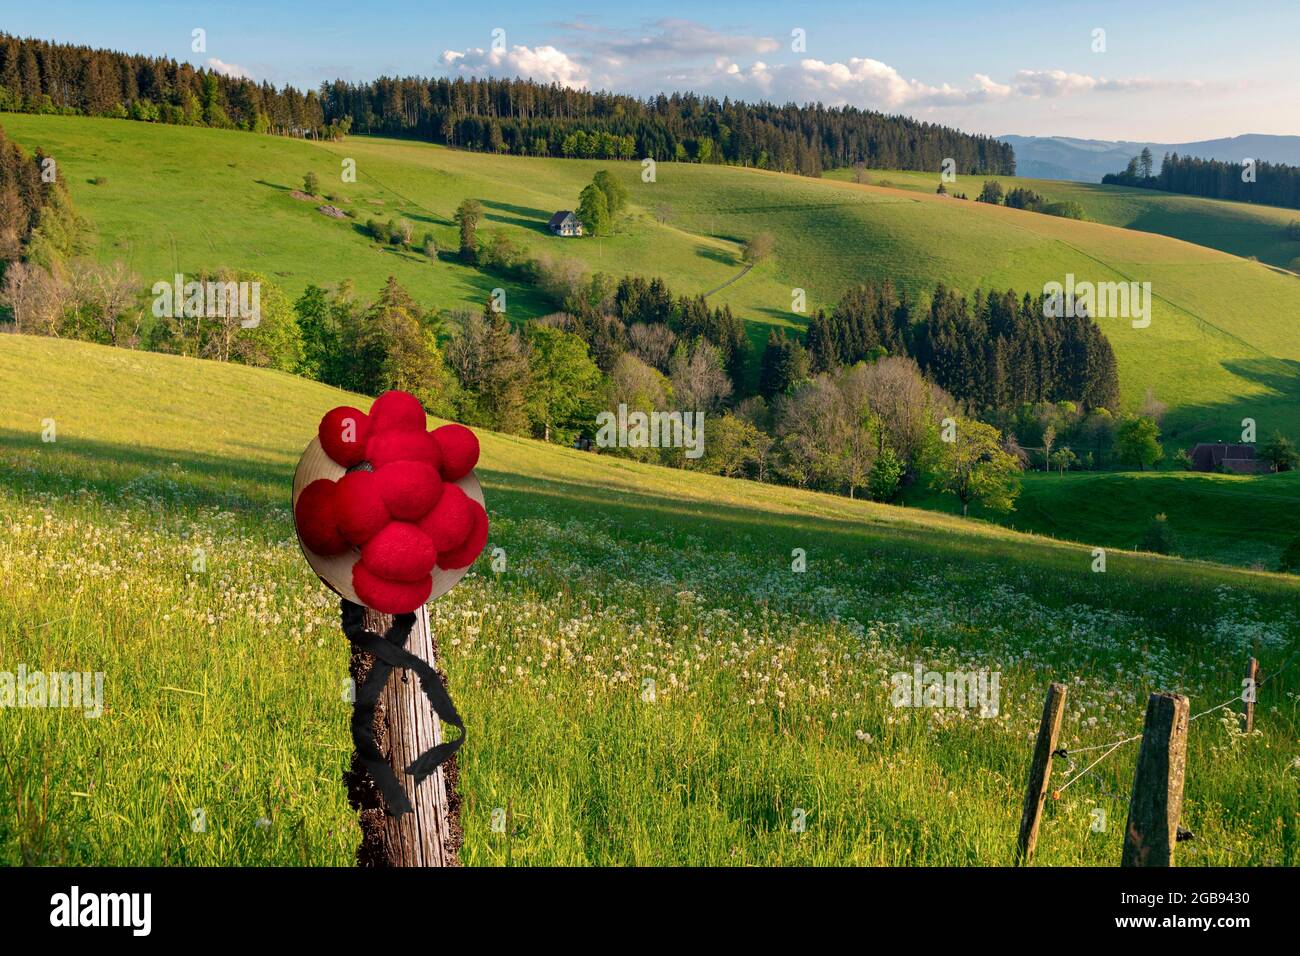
(1184, 835)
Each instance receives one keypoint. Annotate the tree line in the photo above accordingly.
(1272, 184)
(37, 76)
(527, 118)
(516, 116)
(34, 202)
(993, 351)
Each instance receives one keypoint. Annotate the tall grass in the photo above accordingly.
(771, 687)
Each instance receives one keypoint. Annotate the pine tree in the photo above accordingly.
(503, 398)
(467, 217)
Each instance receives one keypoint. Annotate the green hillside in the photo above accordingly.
(1222, 344)
(771, 693)
(1242, 229)
(1232, 519)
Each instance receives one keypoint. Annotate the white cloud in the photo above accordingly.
(871, 83)
(228, 69)
(862, 81)
(861, 78)
(757, 80)
(678, 55)
(674, 38)
(1052, 83)
(990, 87)
(546, 64)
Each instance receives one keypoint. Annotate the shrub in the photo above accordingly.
(1280, 452)
(1290, 563)
(1066, 210)
(886, 474)
(1025, 199)
(991, 193)
(1158, 537)
(759, 247)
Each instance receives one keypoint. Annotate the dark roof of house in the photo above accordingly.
(559, 217)
(1209, 455)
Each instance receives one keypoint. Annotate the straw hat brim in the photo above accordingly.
(336, 569)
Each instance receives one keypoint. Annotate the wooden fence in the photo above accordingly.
(1151, 831)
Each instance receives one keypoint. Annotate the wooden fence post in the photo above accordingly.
(1040, 772)
(1157, 801)
(405, 726)
(1252, 675)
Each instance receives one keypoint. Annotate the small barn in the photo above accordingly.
(1216, 456)
(565, 223)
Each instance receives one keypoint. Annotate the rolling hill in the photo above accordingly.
(1087, 160)
(1231, 519)
(1222, 344)
(1242, 229)
(769, 687)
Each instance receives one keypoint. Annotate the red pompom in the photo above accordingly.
(459, 448)
(464, 556)
(400, 411)
(399, 552)
(451, 520)
(409, 489)
(390, 446)
(359, 506)
(343, 434)
(389, 597)
(317, 520)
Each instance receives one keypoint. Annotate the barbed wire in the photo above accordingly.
(1063, 787)
(1275, 673)
(1183, 834)
(1084, 750)
(1197, 842)
(1067, 752)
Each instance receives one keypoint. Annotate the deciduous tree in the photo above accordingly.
(974, 467)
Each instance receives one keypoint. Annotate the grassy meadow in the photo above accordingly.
(1229, 519)
(771, 687)
(1242, 229)
(1222, 344)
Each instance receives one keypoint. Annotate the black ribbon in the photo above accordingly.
(389, 652)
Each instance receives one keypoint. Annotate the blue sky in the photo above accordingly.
(1169, 71)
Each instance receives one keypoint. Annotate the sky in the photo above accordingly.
(1165, 71)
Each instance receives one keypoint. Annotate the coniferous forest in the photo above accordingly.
(994, 350)
(491, 115)
(1272, 184)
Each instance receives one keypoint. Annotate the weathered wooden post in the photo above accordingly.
(1157, 801)
(1040, 772)
(1248, 695)
(405, 726)
(359, 490)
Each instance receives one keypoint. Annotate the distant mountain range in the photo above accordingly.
(1087, 160)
